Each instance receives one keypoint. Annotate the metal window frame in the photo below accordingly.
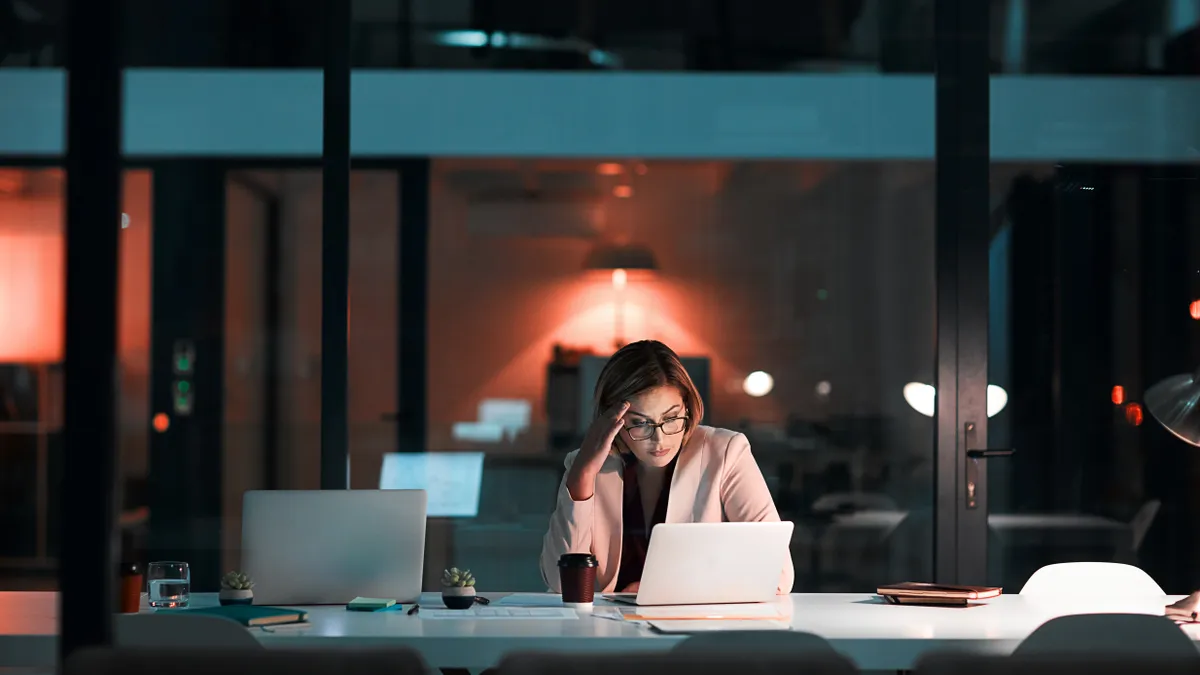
(93, 149)
(962, 216)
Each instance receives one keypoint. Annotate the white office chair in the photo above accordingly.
(1100, 578)
(767, 642)
(181, 631)
(1109, 634)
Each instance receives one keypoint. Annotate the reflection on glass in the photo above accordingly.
(451, 480)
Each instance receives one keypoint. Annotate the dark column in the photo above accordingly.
(335, 249)
(1168, 233)
(1084, 330)
(413, 313)
(273, 323)
(1031, 209)
(188, 310)
(963, 233)
(88, 562)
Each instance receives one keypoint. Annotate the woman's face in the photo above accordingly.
(652, 407)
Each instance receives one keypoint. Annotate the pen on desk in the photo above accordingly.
(413, 610)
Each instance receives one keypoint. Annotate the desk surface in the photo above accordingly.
(874, 635)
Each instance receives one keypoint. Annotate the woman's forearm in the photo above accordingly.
(581, 481)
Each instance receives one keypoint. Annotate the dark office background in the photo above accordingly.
(472, 314)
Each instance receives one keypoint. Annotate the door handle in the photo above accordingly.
(985, 454)
(973, 457)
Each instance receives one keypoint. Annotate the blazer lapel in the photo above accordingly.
(685, 482)
(608, 527)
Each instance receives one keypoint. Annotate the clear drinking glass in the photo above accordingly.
(170, 584)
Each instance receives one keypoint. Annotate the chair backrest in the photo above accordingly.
(162, 631)
(854, 501)
(773, 642)
(979, 664)
(1110, 634)
(729, 663)
(193, 661)
(1101, 578)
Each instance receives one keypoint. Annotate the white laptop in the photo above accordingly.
(712, 564)
(325, 547)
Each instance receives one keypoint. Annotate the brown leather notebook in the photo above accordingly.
(916, 593)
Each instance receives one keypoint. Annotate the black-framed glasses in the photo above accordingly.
(644, 431)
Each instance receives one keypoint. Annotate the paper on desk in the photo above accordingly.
(702, 626)
(746, 612)
(286, 627)
(531, 600)
(485, 613)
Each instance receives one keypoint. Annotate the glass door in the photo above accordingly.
(1092, 277)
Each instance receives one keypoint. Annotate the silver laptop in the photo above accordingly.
(712, 564)
(319, 547)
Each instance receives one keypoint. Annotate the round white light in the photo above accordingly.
(923, 398)
(824, 388)
(997, 399)
(758, 384)
(619, 278)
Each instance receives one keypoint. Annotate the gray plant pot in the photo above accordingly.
(458, 597)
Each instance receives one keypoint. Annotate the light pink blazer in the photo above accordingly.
(716, 480)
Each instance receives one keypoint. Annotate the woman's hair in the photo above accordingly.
(643, 365)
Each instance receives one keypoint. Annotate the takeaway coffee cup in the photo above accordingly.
(577, 578)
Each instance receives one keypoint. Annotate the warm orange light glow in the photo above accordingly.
(162, 422)
(623, 191)
(1118, 395)
(619, 278)
(610, 169)
(1194, 309)
(31, 294)
(1133, 414)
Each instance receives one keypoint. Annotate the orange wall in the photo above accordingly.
(743, 250)
(42, 210)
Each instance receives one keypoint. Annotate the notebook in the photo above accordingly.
(361, 604)
(253, 615)
(917, 593)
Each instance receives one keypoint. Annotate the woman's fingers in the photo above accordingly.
(617, 412)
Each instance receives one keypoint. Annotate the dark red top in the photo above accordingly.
(635, 539)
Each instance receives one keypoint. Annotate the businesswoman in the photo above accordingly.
(647, 460)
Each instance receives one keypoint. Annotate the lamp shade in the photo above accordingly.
(620, 257)
(31, 296)
(1175, 403)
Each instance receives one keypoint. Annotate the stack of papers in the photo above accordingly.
(700, 618)
(747, 612)
(477, 613)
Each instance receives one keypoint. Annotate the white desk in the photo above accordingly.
(874, 635)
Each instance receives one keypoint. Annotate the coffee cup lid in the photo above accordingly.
(577, 560)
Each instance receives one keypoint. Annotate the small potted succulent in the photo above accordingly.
(458, 588)
(236, 589)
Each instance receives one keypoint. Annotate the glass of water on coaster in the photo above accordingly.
(169, 584)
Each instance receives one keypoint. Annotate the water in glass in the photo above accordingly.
(169, 585)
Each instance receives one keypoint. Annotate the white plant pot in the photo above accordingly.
(228, 596)
(458, 597)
